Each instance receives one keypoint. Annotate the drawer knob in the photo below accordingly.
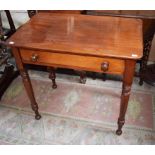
(34, 57)
(105, 66)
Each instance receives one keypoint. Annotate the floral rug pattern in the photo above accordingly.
(75, 113)
(82, 102)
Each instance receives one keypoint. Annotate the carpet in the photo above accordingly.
(78, 101)
(20, 128)
(75, 113)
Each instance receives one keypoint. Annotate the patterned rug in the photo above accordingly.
(20, 128)
(88, 111)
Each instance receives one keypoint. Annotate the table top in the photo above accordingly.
(81, 34)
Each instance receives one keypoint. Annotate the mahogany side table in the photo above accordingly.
(92, 43)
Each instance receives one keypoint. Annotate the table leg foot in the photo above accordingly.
(52, 76)
(120, 125)
(37, 116)
(118, 132)
(83, 80)
(82, 77)
(54, 86)
(34, 107)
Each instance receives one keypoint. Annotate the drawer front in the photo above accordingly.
(79, 62)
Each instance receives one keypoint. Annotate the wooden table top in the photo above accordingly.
(81, 34)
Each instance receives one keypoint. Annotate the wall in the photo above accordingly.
(19, 18)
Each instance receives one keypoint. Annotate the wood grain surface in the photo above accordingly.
(82, 34)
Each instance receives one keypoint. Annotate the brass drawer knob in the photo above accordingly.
(34, 57)
(105, 66)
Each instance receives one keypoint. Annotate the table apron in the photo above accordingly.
(79, 62)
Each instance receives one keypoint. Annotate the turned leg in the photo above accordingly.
(52, 76)
(27, 82)
(28, 87)
(146, 52)
(126, 89)
(104, 76)
(83, 77)
(93, 75)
